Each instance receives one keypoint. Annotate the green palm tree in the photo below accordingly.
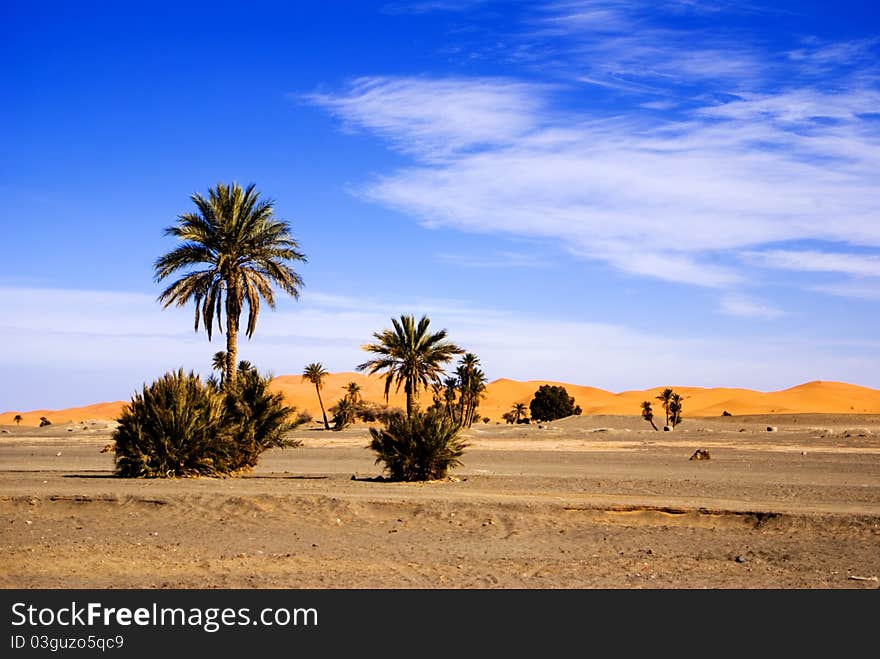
(315, 374)
(234, 250)
(648, 413)
(218, 363)
(17, 419)
(675, 406)
(353, 392)
(410, 355)
(519, 411)
(665, 398)
(465, 371)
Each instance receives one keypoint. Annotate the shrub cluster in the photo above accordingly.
(551, 403)
(182, 426)
(422, 447)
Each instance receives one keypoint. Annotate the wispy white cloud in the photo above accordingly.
(745, 307)
(494, 260)
(858, 265)
(434, 118)
(659, 199)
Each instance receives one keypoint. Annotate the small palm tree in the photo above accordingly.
(519, 411)
(409, 355)
(218, 363)
(353, 392)
(648, 413)
(315, 374)
(233, 251)
(424, 446)
(17, 419)
(665, 397)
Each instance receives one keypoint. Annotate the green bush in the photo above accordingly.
(44, 422)
(181, 426)
(424, 447)
(551, 403)
(255, 417)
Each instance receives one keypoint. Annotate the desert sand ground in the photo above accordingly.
(585, 502)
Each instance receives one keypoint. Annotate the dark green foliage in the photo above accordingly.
(409, 355)
(181, 426)
(44, 422)
(552, 402)
(665, 398)
(675, 406)
(230, 252)
(344, 413)
(17, 419)
(256, 418)
(648, 413)
(422, 447)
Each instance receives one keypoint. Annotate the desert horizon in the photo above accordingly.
(814, 397)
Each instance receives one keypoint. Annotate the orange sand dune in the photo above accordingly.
(816, 397)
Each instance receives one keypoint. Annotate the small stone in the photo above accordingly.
(772, 428)
(740, 559)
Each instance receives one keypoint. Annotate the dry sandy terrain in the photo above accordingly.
(584, 502)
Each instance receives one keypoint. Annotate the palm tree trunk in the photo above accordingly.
(231, 344)
(409, 399)
(651, 421)
(321, 403)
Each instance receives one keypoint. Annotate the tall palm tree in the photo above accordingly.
(665, 398)
(315, 374)
(475, 391)
(466, 366)
(648, 413)
(234, 250)
(17, 419)
(675, 406)
(450, 391)
(410, 355)
(519, 411)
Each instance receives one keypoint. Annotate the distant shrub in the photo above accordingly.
(423, 447)
(551, 403)
(44, 422)
(181, 426)
(486, 419)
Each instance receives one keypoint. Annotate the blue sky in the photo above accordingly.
(619, 194)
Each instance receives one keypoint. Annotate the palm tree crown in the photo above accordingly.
(410, 355)
(234, 250)
(315, 373)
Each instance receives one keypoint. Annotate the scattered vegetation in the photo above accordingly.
(672, 405)
(459, 396)
(648, 413)
(17, 419)
(315, 374)
(411, 355)
(233, 251)
(552, 402)
(665, 397)
(44, 422)
(421, 446)
(182, 426)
